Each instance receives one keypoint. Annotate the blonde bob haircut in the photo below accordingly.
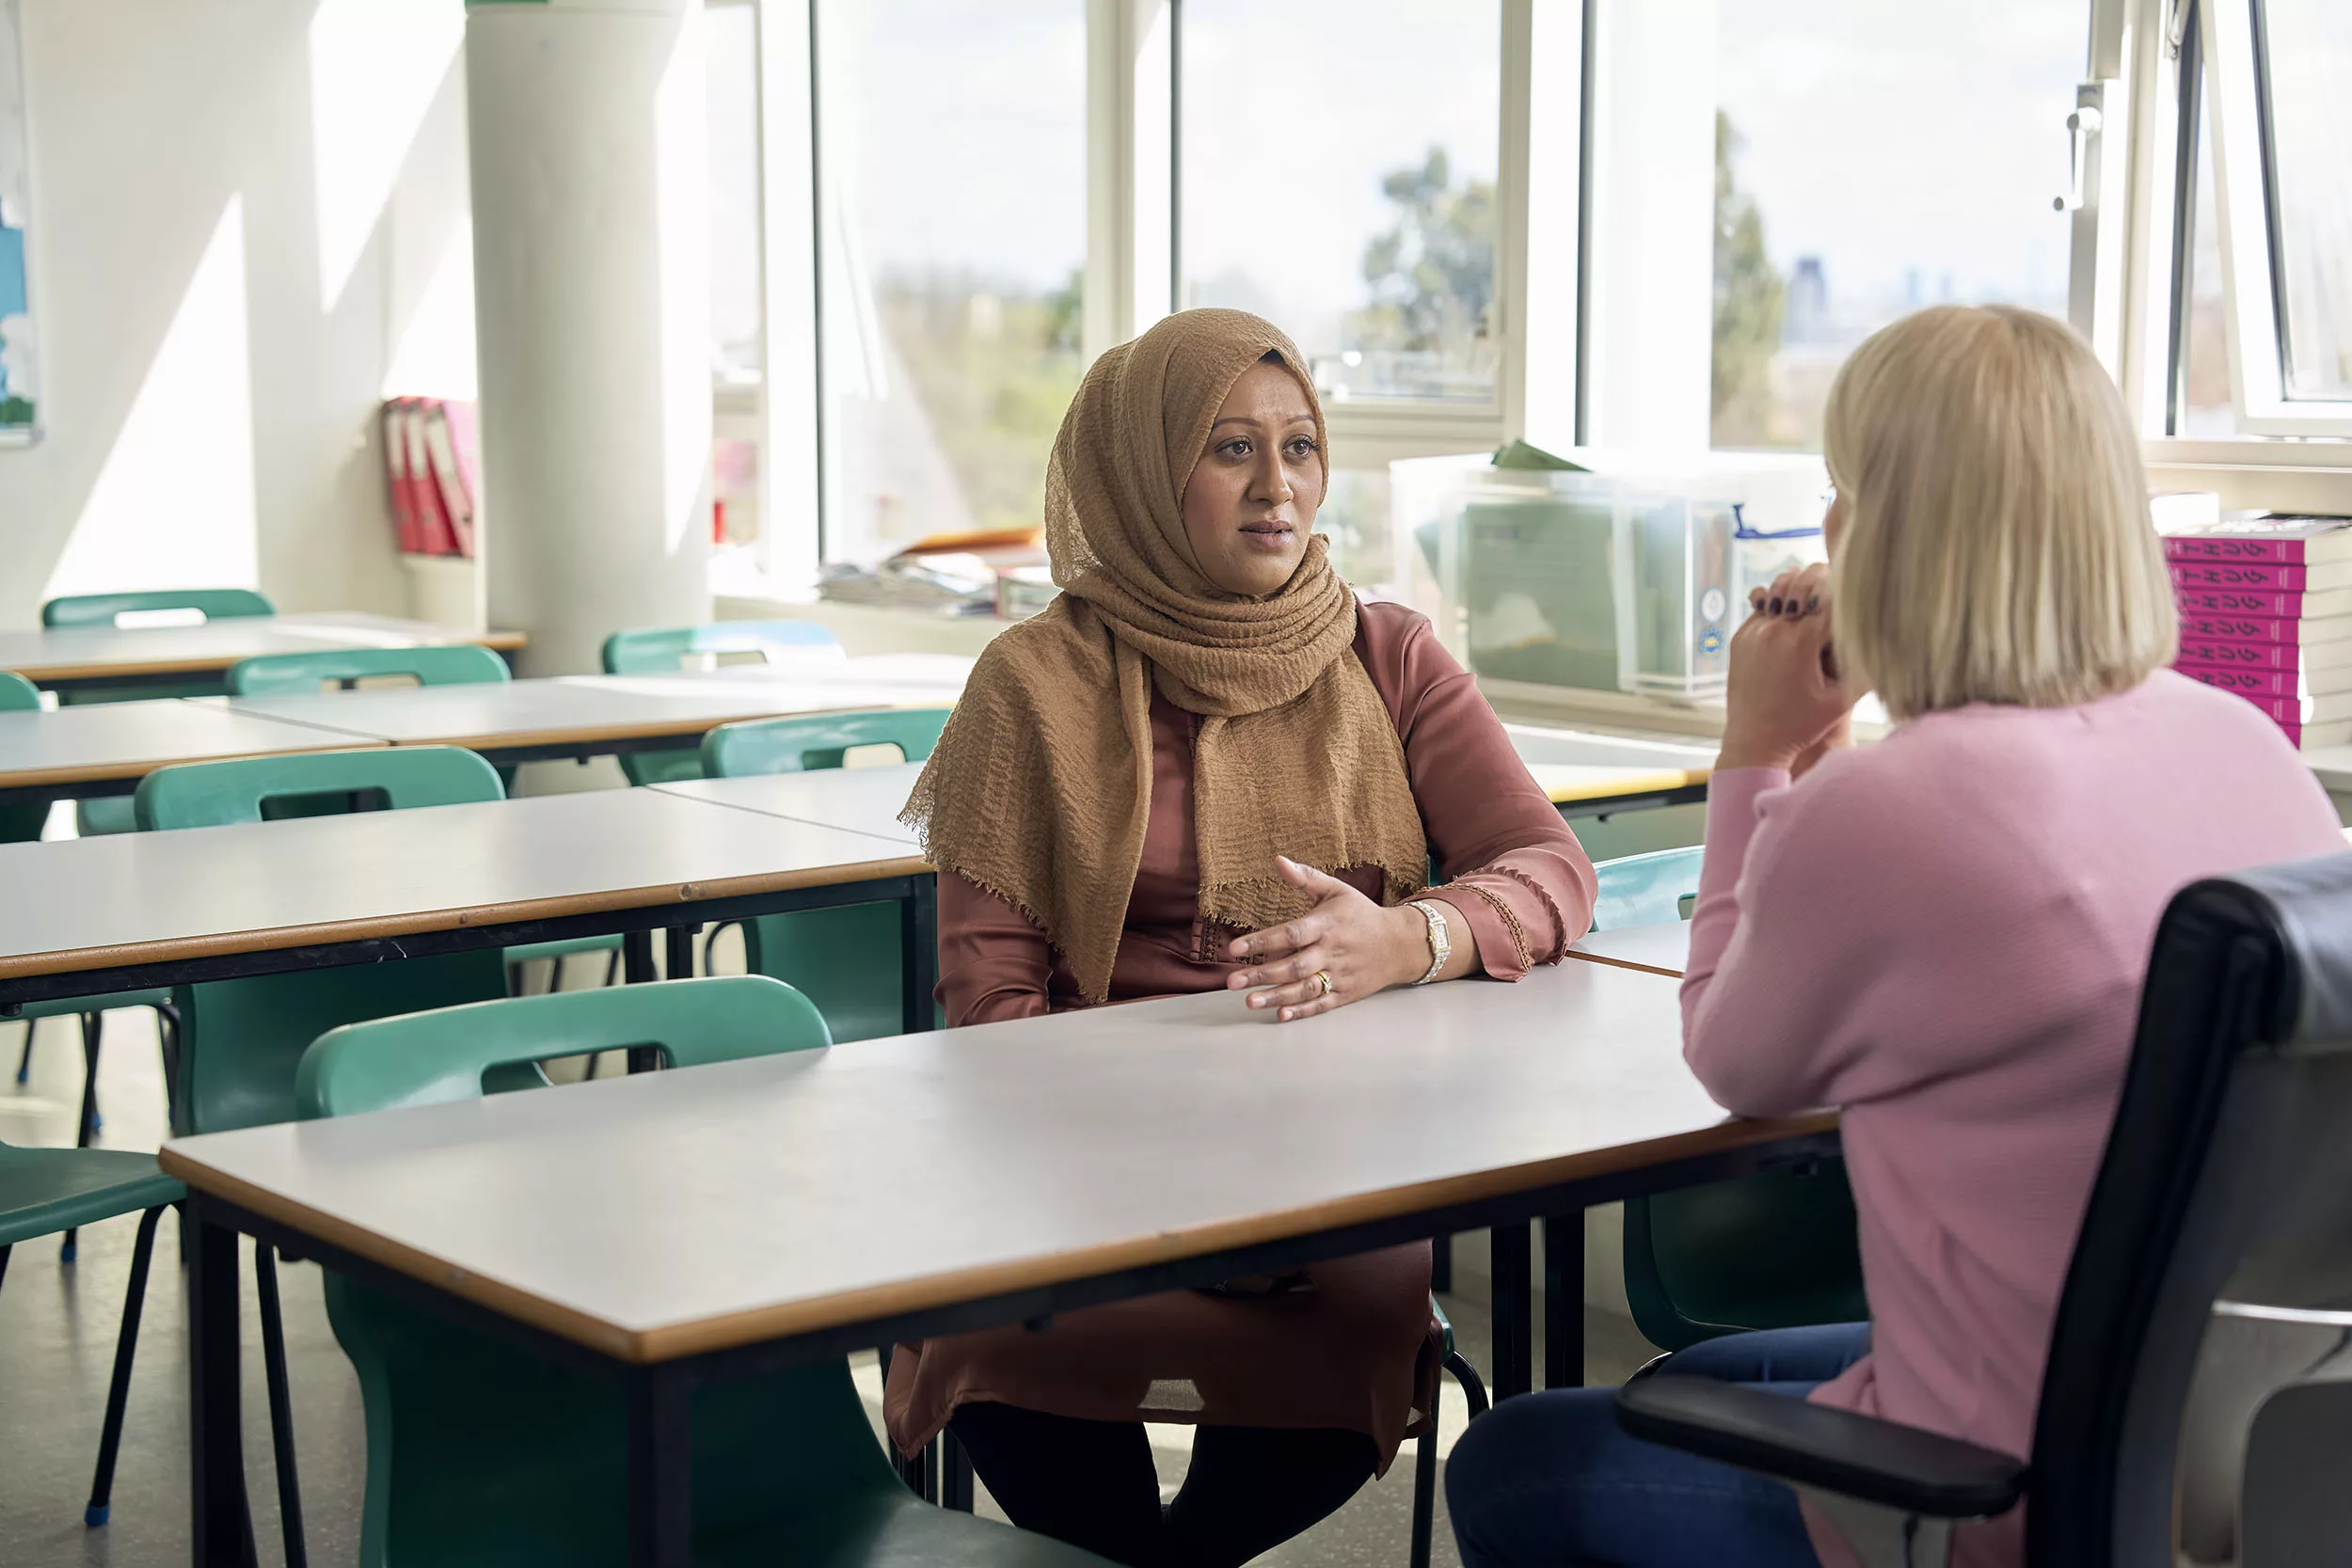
(1998, 546)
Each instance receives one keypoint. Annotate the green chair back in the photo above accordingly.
(663, 651)
(847, 960)
(20, 824)
(806, 741)
(1774, 1250)
(464, 664)
(1646, 890)
(100, 609)
(479, 1453)
(242, 1038)
(440, 1056)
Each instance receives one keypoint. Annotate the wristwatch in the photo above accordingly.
(1440, 945)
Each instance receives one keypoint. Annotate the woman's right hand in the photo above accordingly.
(1785, 702)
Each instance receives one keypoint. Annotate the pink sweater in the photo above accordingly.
(1944, 935)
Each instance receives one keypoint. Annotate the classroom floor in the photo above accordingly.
(58, 1326)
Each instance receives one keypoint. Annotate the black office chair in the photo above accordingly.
(2224, 1199)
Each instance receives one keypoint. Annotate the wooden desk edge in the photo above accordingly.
(1665, 778)
(643, 729)
(329, 740)
(20, 965)
(1624, 963)
(503, 642)
(675, 1342)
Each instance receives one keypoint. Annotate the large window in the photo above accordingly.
(1338, 164)
(952, 233)
(2306, 66)
(1871, 157)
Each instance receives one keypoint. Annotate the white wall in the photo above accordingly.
(212, 355)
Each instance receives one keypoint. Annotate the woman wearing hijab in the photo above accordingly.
(1208, 766)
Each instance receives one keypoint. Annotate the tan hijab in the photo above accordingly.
(1040, 786)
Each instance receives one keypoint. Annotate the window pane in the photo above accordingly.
(953, 211)
(2307, 55)
(1874, 156)
(1337, 160)
(734, 81)
(2206, 409)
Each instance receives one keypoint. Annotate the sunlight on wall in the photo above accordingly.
(375, 68)
(434, 357)
(173, 506)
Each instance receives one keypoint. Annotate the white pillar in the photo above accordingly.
(587, 126)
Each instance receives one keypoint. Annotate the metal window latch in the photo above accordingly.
(2081, 126)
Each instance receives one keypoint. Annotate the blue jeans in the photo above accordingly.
(1549, 1479)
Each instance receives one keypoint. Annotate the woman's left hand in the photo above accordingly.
(1360, 945)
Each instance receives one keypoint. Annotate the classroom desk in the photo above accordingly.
(106, 748)
(1663, 949)
(130, 911)
(64, 658)
(584, 716)
(933, 1183)
(858, 800)
(1595, 775)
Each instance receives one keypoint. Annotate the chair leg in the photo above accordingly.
(595, 1059)
(1441, 1265)
(612, 967)
(25, 1062)
(1424, 1492)
(1473, 1387)
(117, 1393)
(168, 1032)
(93, 1034)
(280, 1403)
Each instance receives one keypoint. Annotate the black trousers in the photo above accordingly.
(1092, 1484)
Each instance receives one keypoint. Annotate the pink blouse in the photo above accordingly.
(1944, 935)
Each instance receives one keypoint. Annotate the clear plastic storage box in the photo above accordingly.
(1623, 573)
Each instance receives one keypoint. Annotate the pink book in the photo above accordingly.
(2285, 541)
(2268, 603)
(2202, 626)
(2259, 574)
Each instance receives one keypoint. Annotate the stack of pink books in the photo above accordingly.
(2267, 612)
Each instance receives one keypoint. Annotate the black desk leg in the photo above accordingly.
(1441, 1264)
(636, 970)
(1564, 1301)
(955, 1474)
(918, 951)
(221, 1518)
(660, 1504)
(1514, 1355)
(681, 964)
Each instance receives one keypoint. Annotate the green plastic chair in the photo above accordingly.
(479, 1453)
(846, 960)
(101, 609)
(461, 664)
(44, 1191)
(1773, 1251)
(112, 814)
(664, 650)
(22, 824)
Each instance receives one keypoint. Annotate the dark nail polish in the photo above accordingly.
(1772, 607)
(1813, 602)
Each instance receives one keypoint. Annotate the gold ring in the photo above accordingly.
(1320, 978)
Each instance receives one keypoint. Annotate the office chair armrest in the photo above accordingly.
(1823, 1448)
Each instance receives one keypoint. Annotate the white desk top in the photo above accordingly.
(895, 1175)
(128, 898)
(128, 740)
(83, 653)
(862, 799)
(1660, 949)
(584, 709)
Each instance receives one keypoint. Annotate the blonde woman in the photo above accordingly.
(1942, 934)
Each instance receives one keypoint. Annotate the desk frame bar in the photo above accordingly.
(223, 1536)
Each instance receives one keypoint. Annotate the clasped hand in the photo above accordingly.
(1787, 705)
(1362, 946)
